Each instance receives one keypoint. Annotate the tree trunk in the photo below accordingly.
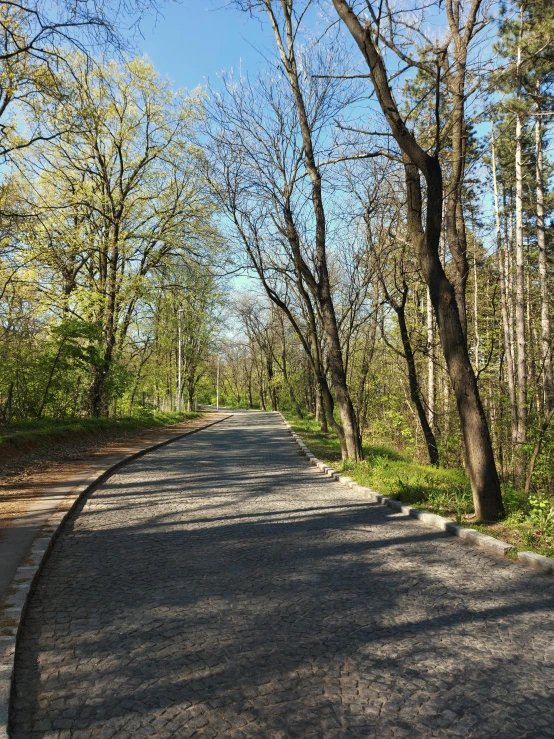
(479, 455)
(294, 403)
(249, 388)
(270, 385)
(415, 394)
(476, 336)
(546, 350)
(261, 388)
(344, 402)
(98, 401)
(455, 74)
(320, 285)
(504, 297)
(50, 378)
(537, 449)
(430, 366)
(320, 414)
(455, 223)
(5, 407)
(521, 366)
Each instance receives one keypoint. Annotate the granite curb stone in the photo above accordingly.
(12, 611)
(537, 561)
(471, 536)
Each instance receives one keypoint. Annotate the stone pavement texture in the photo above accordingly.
(27, 504)
(221, 587)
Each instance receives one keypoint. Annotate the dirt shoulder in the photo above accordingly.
(26, 477)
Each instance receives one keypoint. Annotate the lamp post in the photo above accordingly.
(179, 385)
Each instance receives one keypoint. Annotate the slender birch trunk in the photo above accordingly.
(520, 284)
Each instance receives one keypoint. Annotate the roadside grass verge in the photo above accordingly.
(24, 432)
(443, 491)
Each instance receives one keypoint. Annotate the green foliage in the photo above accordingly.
(90, 292)
(541, 513)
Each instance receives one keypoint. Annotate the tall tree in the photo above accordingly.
(479, 454)
(122, 197)
(257, 149)
(286, 21)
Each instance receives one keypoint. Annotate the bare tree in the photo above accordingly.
(312, 100)
(479, 455)
(273, 193)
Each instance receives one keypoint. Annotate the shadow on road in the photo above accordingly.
(252, 597)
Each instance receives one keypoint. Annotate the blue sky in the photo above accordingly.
(195, 39)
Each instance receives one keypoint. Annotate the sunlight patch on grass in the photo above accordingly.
(436, 489)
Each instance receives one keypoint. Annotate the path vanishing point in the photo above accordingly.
(222, 587)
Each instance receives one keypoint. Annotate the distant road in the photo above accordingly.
(221, 587)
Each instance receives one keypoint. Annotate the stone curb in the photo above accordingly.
(472, 536)
(12, 613)
(537, 561)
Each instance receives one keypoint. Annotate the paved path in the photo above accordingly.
(220, 587)
(28, 503)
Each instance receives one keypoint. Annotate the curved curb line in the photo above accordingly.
(27, 575)
(472, 536)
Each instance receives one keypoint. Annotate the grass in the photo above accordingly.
(24, 431)
(443, 491)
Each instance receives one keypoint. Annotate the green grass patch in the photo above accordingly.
(443, 491)
(24, 431)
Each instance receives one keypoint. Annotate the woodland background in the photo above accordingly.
(271, 231)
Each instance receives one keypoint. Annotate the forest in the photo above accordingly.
(358, 234)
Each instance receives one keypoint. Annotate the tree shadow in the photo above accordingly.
(198, 606)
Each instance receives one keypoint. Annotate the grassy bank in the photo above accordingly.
(26, 431)
(529, 523)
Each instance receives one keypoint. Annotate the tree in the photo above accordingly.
(37, 39)
(425, 238)
(118, 200)
(526, 79)
(260, 177)
(306, 97)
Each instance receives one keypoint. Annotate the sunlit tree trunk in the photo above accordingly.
(430, 363)
(479, 456)
(504, 298)
(321, 284)
(546, 349)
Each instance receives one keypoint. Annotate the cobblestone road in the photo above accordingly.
(220, 587)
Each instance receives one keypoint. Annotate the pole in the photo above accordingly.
(217, 384)
(179, 361)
